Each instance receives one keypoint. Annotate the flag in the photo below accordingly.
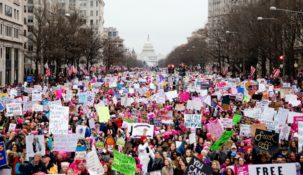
(276, 72)
(252, 70)
(48, 72)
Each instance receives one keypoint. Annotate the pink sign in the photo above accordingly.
(241, 170)
(184, 96)
(215, 127)
(294, 125)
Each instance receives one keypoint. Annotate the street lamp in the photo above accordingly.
(273, 8)
(260, 18)
(229, 32)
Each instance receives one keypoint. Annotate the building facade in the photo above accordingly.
(148, 54)
(11, 41)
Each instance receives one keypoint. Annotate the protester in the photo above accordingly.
(153, 123)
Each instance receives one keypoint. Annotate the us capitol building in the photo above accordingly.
(148, 54)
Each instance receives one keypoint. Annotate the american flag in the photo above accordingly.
(252, 70)
(48, 72)
(276, 72)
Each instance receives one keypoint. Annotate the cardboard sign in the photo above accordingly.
(255, 126)
(3, 156)
(284, 132)
(13, 109)
(222, 140)
(65, 142)
(196, 167)
(103, 113)
(192, 120)
(270, 169)
(266, 141)
(58, 119)
(90, 98)
(138, 129)
(123, 163)
(12, 127)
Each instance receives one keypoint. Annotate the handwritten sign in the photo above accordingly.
(65, 142)
(36, 95)
(196, 167)
(93, 163)
(192, 120)
(300, 135)
(241, 170)
(103, 113)
(266, 141)
(227, 122)
(13, 109)
(245, 130)
(215, 128)
(138, 129)
(58, 119)
(124, 164)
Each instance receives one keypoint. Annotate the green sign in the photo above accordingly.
(121, 141)
(124, 164)
(246, 98)
(236, 119)
(222, 140)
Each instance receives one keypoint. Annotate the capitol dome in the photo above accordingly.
(148, 54)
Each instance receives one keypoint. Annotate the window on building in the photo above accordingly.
(25, 9)
(91, 13)
(1, 53)
(18, 14)
(15, 13)
(114, 34)
(30, 9)
(16, 33)
(1, 8)
(30, 1)
(30, 28)
(30, 47)
(1, 29)
(24, 21)
(30, 19)
(8, 31)
(8, 11)
(92, 3)
(24, 32)
(91, 22)
(97, 3)
(97, 12)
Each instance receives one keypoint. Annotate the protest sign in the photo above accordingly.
(255, 126)
(192, 120)
(93, 163)
(82, 97)
(291, 116)
(197, 167)
(80, 131)
(284, 132)
(90, 98)
(12, 127)
(139, 129)
(272, 169)
(236, 119)
(192, 138)
(253, 113)
(103, 113)
(68, 95)
(157, 122)
(281, 117)
(65, 142)
(36, 95)
(13, 109)
(215, 128)
(245, 130)
(268, 114)
(300, 136)
(34, 144)
(171, 95)
(227, 122)
(3, 156)
(37, 108)
(266, 141)
(124, 164)
(58, 119)
(241, 170)
(222, 140)
(294, 125)
(271, 125)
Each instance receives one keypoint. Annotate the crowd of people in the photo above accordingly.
(184, 117)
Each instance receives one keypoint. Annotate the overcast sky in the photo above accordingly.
(168, 22)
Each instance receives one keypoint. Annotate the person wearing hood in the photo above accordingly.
(144, 154)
